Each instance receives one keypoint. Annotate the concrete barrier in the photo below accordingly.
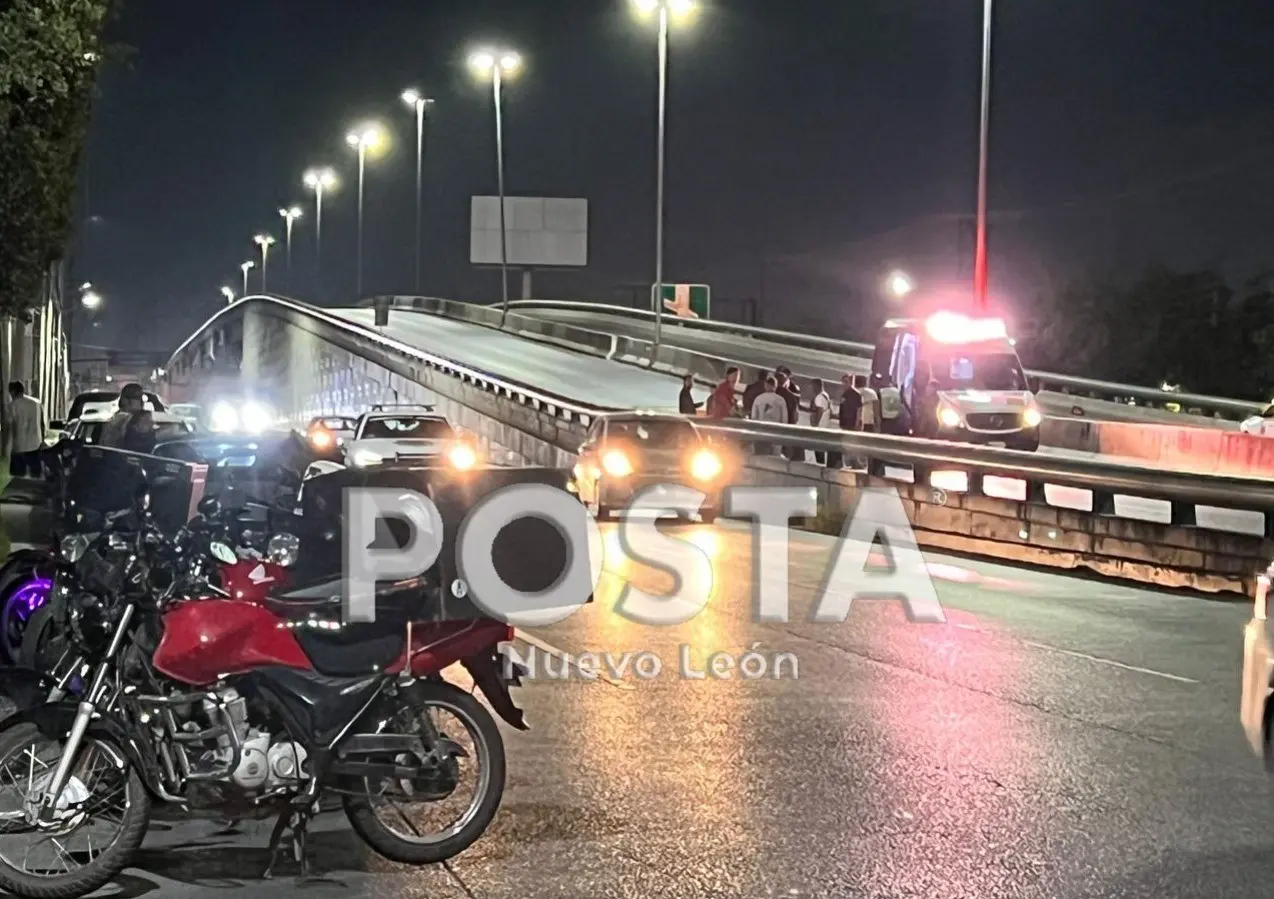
(1039, 534)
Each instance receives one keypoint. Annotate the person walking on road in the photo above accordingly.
(686, 402)
(723, 403)
(769, 406)
(24, 433)
(820, 413)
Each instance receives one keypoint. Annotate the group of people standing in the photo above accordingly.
(776, 397)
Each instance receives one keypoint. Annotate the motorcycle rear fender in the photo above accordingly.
(20, 564)
(488, 673)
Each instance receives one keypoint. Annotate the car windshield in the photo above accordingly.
(334, 424)
(981, 371)
(654, 433)
(107, 400)
(91, 432)
(406, 427)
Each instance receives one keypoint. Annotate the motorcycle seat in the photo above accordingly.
(351, 650)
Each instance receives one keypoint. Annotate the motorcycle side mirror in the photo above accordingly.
(223, 553)
(209, 507)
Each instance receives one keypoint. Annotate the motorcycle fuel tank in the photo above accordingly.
(207, 639)
(251, 580)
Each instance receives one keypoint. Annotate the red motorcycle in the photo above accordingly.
(253, 708)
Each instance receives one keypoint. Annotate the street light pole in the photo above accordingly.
(496, 82)
(498, 65)
(659, 175)
(365, 137)
(264, 241)
(289, 216)
(245, 267)
(980, 252)
(319, 181)
(421, 104)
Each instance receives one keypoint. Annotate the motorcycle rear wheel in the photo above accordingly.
(15, 741)
(424, 850)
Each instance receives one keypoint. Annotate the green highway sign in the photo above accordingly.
(687, 300)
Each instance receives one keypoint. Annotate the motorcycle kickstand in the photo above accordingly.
(276, 837)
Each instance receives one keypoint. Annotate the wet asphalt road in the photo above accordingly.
(1058, 737)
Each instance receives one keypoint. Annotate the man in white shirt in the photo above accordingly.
(769, 406)
(25, 433)
(868, 415)
(820, 413)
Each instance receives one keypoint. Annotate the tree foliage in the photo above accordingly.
(49, 54)
(1187, 329)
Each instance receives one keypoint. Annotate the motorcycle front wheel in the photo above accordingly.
(392, 816)
(100, 819)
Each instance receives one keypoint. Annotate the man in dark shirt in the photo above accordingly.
(851, 405)
(791, 394)
(752, 391)
(131, 428)
(686, 402)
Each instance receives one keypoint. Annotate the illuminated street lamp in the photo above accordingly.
(667, 11)
(264, 241)
(245, 268)
(899, 284)
(289, 215)
(498, 65)
(91, 300)
(320, 181)
(228, 294)
(420, 103)
(362, 139)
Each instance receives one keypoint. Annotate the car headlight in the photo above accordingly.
(1032, 417)
(462, 456)
(73, 547)
(705, 465)
(283, 549)
(363, 458)
(616, 464)
(255, 418)
(321, 439)
(225, 417)
(948, 417)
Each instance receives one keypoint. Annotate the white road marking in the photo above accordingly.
(552, 650)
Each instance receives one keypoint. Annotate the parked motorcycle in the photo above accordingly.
(229, 708)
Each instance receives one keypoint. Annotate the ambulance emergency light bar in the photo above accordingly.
(952, 327)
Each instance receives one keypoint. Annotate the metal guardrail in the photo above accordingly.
(1102, 477)
(1107, 390)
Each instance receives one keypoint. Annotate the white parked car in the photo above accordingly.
(403, 433)
(1260, 425)
(167, 426)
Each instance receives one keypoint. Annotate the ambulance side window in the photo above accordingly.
(882, 358)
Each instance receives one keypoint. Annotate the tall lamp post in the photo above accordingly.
(289, 216)
(420, 104)
(979, 257)
(246, 267)
(666, 11)
(368, 137)
(264, 241)
(320, 181)
(499, 65)
(90, 302)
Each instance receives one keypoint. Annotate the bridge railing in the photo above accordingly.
(1224, 407)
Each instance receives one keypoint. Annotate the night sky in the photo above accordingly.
(813, 146)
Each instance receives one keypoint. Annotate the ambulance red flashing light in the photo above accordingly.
(951, 327)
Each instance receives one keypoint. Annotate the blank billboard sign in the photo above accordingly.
(541, 231)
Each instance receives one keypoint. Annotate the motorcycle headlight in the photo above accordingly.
(1032, 417)
(705, 465)
(283, 549)
(73, 547)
